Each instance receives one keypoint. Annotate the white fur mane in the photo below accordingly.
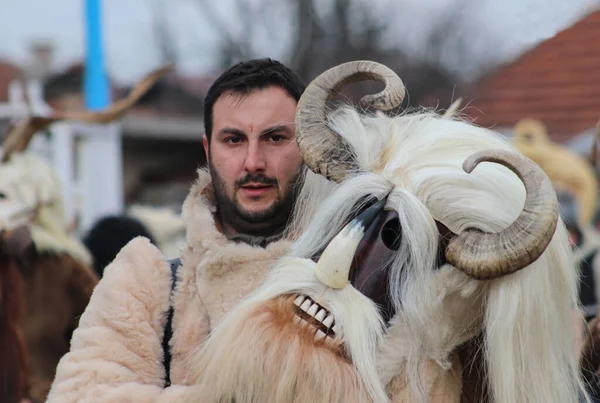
(30, 180)
(529, 349)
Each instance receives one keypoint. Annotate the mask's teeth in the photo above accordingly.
(320, 319)
(321, 315)
(305, 305)
(328, 321)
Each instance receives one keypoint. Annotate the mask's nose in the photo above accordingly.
(370, 271)
(333, 267)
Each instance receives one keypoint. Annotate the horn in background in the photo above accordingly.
(19, 137)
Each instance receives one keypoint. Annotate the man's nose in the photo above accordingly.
(255, 158)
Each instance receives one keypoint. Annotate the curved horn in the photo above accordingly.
(325, 152)
(485, 256)
(23, 131)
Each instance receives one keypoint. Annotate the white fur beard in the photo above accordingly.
(261, 353)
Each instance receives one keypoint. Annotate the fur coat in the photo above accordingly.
(116, 352)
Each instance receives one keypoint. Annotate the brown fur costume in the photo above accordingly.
(14, 368)
(56, 290)
(14, 371)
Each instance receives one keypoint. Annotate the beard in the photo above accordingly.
(262, 352)
(266, 222)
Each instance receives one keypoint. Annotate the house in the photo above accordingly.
(556, 82)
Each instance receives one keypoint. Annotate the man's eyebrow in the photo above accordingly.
(232, 130)
(275, 129)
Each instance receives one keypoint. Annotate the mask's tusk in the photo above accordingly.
(333, 267)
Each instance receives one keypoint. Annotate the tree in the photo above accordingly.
(165, 43)
(313, 36)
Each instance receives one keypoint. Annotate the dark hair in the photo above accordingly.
(248, 76)
(109, 235)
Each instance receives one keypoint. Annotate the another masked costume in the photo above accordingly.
(574, 177)
(53, 268)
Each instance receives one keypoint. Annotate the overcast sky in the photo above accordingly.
(130, 49)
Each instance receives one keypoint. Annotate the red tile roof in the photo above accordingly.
(557, 82)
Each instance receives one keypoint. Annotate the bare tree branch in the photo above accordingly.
(308, 33)
(161, 32)
(232, 47)
(246, 39)
(343, 30)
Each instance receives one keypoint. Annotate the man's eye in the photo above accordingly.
(233, 140)
(277, 137)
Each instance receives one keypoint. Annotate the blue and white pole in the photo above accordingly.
(96, 87)
(101, 154)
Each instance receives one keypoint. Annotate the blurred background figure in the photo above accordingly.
(109, 234)
(46, 271)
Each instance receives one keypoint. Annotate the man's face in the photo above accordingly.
(253, 156)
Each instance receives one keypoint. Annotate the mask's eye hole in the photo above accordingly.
(3, 195)
(391, 234)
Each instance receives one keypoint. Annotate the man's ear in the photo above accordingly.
(206, 146)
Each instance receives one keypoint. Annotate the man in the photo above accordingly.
(236, 213)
